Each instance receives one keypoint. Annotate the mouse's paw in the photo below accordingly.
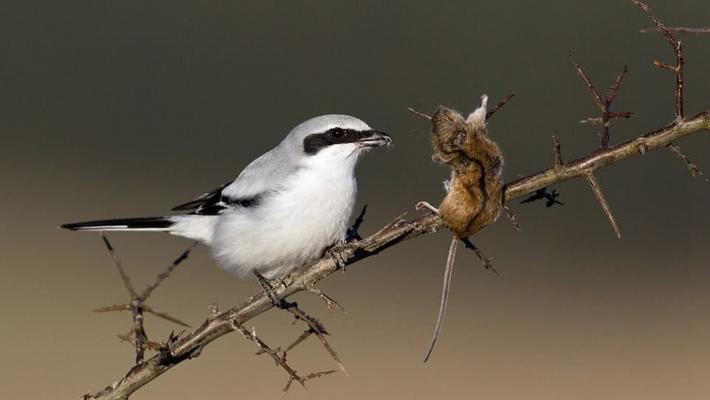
(423, 205)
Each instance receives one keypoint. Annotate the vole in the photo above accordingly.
(474, 197)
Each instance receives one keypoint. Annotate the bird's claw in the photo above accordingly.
(268, 289)
(336, 253)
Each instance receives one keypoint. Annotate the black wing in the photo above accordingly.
(207, 198)
(214, 202)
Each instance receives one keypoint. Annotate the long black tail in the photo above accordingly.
(123, 224)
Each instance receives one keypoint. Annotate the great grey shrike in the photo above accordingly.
(283, 210)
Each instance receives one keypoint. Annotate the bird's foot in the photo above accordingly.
(338, 255)
(268, 289)
(423, 205)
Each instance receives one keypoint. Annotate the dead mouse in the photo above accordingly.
(474, 197)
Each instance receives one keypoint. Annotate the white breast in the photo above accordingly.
(291, 227)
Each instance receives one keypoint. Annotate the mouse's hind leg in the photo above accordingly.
(423, 205)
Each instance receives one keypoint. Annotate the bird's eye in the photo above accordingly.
(336, 133)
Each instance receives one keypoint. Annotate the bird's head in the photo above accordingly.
(335, 138)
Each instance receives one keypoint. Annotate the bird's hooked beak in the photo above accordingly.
(373, 138)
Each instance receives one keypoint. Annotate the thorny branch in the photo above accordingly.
(137, 307)
(678, 70)
(280, 359)
(677, 46)
(189, 345)
(316, 328)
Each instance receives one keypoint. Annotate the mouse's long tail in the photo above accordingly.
(448, 272)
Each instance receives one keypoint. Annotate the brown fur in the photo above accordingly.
(475, 197)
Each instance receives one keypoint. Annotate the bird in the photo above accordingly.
(284, 210)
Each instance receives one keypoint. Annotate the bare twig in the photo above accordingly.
(263, 347)
(498, 106)
(677, 46)
(115, 307)
(614, 88)
(693, 168)
(512, 217)
(604, 104)
(165, 274)
(591, 121)
(558, 151)
(119, 266)
(419, 113)
(317, 328)
(138, 330)
(590, 86)
(305, 335)
(486, 262)
(163, 315)
(128, 338)
(679, 29)
(329, 301)
(309, 377)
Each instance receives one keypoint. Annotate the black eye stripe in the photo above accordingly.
(336, 133)
(313, 143)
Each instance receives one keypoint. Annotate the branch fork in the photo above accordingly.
(136, 306)
(603, 103)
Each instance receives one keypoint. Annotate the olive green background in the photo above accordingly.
(126, 108)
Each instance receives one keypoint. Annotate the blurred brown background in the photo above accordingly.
(127, 108)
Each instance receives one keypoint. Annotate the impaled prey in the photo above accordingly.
(474, 197)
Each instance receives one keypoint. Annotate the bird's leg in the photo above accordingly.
(423, 205)
(268, 289)
(352, 233)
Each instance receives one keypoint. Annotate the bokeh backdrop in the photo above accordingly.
(127, 108)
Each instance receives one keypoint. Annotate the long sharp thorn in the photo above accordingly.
(602, 201)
